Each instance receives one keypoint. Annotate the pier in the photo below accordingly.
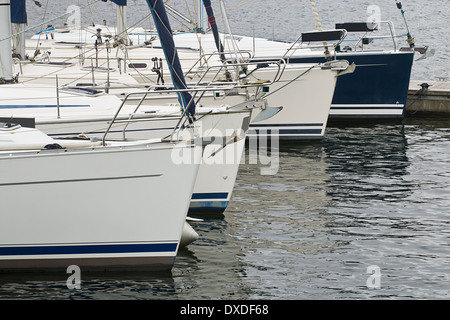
(428, 98)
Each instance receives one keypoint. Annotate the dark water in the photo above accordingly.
(365, 198)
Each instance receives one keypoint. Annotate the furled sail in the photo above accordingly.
(118, 2)
(18, 11)
(213, 25)
(170, 51)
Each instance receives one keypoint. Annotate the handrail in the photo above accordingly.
(223, 85)
(145, 94)
(219, 68)
(300, 41)
(207, 56)
(393, 35)
(297, 44)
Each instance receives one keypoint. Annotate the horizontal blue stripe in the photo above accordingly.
(88, 249)
(208, 206)
(288, 125)
(367, 108)
(288, 131)
(213, 195)
(365, 116)
(27, 106)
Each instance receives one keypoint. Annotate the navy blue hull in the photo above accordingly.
(377, 90)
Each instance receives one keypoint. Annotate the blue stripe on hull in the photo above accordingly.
(87, 249)
(215, 202)
(286, 131)
(208, 206)
(367, 108)
(287, 125)
(296, 131)
(213, 195)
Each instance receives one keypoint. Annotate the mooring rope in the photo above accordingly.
(319, 27)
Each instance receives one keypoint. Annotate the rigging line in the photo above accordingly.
(138, 23)
(121, 14)
(174, 49)
(42, 27)
(239, 5)
(90, 12)
(149, 15)
(189, 12)
(290, 81)
(235, 47)
(179, 20)
(58, 70)
(43, 23)
(100, 15)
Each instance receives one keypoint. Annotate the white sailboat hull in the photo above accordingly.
(305, 93)
(218, 170)
(100, 208)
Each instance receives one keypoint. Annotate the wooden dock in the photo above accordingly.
(428, 98)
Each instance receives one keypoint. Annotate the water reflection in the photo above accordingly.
(279, 221)
(367, 163)
(94, 286)
(210, 267)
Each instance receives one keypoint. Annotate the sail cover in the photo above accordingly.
(213, 25)
(170, 51)
(18, 11)
(118, 2)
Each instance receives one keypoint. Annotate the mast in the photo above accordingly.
(121, 21)
(200, 19)
(5, 43)
(213, 25)
(18, 20)
(170, 52)
(233, 42)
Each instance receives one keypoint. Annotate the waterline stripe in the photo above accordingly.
(208, 206)
(288, 125)
(367, 108)
(214, 195)
(285, 131)
(88, 249)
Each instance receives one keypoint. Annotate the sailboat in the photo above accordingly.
(101, 206)
(303, 91)
(376, 90)
(81, 112)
